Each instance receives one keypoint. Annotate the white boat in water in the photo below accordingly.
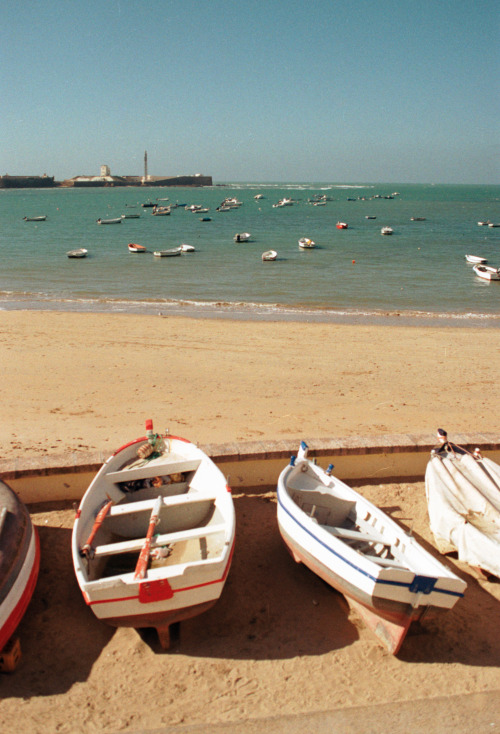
(41, 218)
(154, 534)
(187, 248)
(242, 237)
(386, 230)
(134, 247)
(476, 260)
(463, 500)
(118, 220)
(269, 255)
(131, 216)
(356, 548)
(487, 272)
(172, 252)
(79, 253)
(305, 243)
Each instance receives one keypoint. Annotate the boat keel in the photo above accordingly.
(390, 633)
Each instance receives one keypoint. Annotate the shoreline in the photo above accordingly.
(248, 311)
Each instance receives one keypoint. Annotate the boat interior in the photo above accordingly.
(349, 521)
(190, 526)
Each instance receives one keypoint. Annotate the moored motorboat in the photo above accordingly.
(154, 534)
(417, 219)
(359, 550)
(172, 252)
(160, 211)
(386, 230)
(133, 247)
(131, 216)
(269, 255)
(484, 224)
(463, 501)
(19, 562)
(305, 243)
(242, 237)
(370, 216)
(41, 218)
(342, 225)
(187, 248)
(476, 260)
(493, 224)
(79, 253)
(487, 272)
(118, 220)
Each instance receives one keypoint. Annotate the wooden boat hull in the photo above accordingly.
(389, 596)
(196, 526)
(19, 562)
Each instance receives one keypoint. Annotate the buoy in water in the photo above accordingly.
(354, 262)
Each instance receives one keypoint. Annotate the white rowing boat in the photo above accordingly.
(356, 548)
(476, 259)
(487, 272)
(463, 500)
(172, 252)
(269, 255)
(79, 253)
(154, 534)
(305, 243)
(118, 220)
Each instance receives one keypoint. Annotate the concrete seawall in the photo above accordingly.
(251, 465)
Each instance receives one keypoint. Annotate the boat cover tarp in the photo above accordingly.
(463, 499)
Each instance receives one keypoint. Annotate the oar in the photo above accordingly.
(143, 560)
(85, 550)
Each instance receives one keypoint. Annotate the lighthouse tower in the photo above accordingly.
(145, 177)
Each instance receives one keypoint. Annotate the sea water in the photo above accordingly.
(418, 274)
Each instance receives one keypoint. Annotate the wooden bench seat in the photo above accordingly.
(175, 500)
(136, 544)
(154, 468)
(356, 535)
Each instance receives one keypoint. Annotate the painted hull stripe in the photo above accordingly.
(376, 580)
(176, 591)
(17, 613)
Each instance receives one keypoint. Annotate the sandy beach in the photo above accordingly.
(279, 642)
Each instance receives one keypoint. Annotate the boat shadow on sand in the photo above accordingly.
(271, 609)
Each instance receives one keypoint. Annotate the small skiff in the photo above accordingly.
(269, 255)
(342, 225)
(463, 501)
(81, 252)
(306, 244)
(118, 220)
(173, 252)
(187, 248)
(386, 230)
(417, 219)
(161, 211)
(19, 561)
(154, 534)
(35, 219)
(242, 237)
(133, 247)
(476, 260)
(352, 545)
(487, 272)
(131, 216)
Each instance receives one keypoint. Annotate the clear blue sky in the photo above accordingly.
(262, 90)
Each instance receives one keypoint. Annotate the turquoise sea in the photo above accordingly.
(418, 274)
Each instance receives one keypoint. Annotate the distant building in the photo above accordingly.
(27, 182)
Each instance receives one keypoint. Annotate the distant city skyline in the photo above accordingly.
(268, 91)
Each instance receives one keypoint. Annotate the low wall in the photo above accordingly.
(252, 465)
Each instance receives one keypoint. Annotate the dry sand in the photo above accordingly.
(279, 641)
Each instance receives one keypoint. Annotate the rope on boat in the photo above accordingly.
(453, 448)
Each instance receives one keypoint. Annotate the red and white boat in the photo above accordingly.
(154, 534)
(19, 562)
(132, 247)
(356, 548)
(342, 225)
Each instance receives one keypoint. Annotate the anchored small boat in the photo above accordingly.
(305, 243)
(356, 548)
(417, 219)
(118, 220)
(269, 255)
(386, 230)
(487, 272)
(187, 248)
(19, 562)
(154, 534)
(131, 216)
(79, 253)
(133, 247)
(342, 225)
(242, 237)
(476, 260)
(35, 219)
(463, 500)
(172, 252)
